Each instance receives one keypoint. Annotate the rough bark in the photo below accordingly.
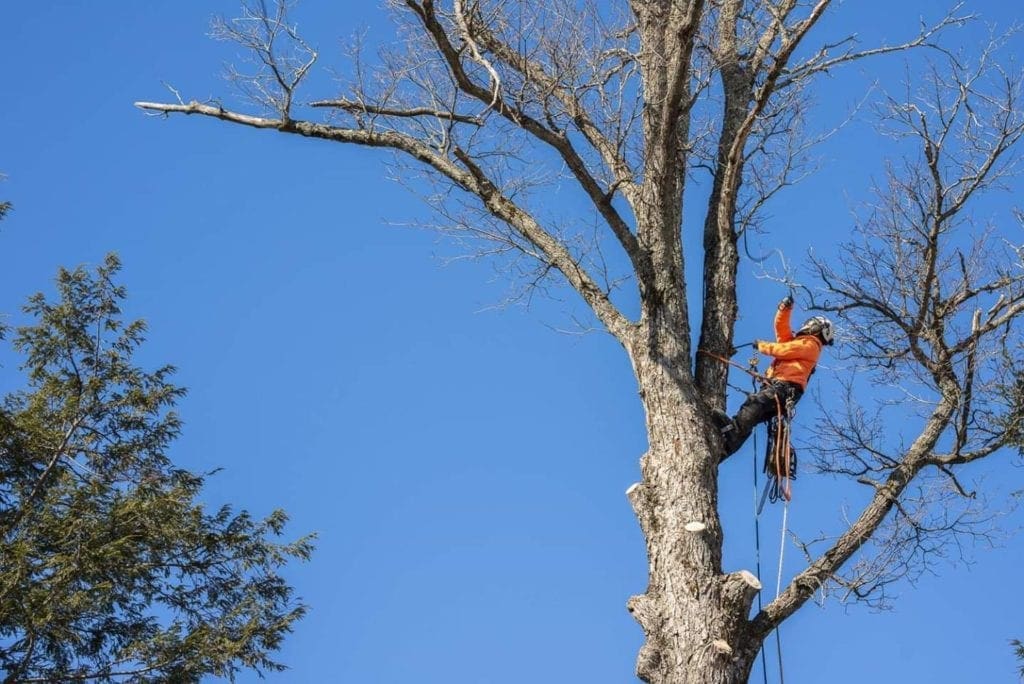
(693, 615)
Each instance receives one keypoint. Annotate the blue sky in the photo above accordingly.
(464, 466)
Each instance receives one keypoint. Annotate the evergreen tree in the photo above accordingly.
(111, 569)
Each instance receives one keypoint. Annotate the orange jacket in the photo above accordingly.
(795, 357)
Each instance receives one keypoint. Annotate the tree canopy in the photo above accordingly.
(111, 566)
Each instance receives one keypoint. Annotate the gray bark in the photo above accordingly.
(693, 615)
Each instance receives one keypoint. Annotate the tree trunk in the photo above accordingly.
(694, 617)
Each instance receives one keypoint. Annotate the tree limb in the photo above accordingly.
(886, 496)
(600, 197)
(353, 106)
(468, 177)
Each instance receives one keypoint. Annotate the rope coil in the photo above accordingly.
(780, 457)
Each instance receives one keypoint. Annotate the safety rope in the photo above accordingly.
(757, 544)
(780, 469)
(746, 369)
(778, 587)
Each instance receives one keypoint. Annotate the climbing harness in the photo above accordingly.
(780, 456)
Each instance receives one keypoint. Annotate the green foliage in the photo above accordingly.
(110, 569)
(1018, 649)
(1010, 393)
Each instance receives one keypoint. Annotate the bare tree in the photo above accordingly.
(929, 302)
(634, 104)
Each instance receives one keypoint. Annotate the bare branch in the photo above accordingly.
(493, 99)
(469, 177)
(282, 58)
(821, 62)
(886, 496)
(351, 106)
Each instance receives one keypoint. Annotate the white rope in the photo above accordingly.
(778, 589)
(782, 549)
(757, 557)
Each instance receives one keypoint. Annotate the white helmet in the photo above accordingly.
(820, 326)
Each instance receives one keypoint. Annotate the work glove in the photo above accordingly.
(786, 303)
(757, 344)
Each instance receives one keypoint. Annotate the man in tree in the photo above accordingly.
(795, 356)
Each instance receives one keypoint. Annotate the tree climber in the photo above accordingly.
(794, 359)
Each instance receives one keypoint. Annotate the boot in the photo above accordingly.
(720, 418)
(731, 437)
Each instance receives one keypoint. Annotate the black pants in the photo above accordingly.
(759, 407)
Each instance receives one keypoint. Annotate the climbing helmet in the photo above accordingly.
(820, 326)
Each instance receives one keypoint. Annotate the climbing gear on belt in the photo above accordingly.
(779, 457)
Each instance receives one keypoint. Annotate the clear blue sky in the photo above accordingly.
(464, 467)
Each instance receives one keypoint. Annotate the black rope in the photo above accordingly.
(757, 539)
(778, 651)
(757, 555)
